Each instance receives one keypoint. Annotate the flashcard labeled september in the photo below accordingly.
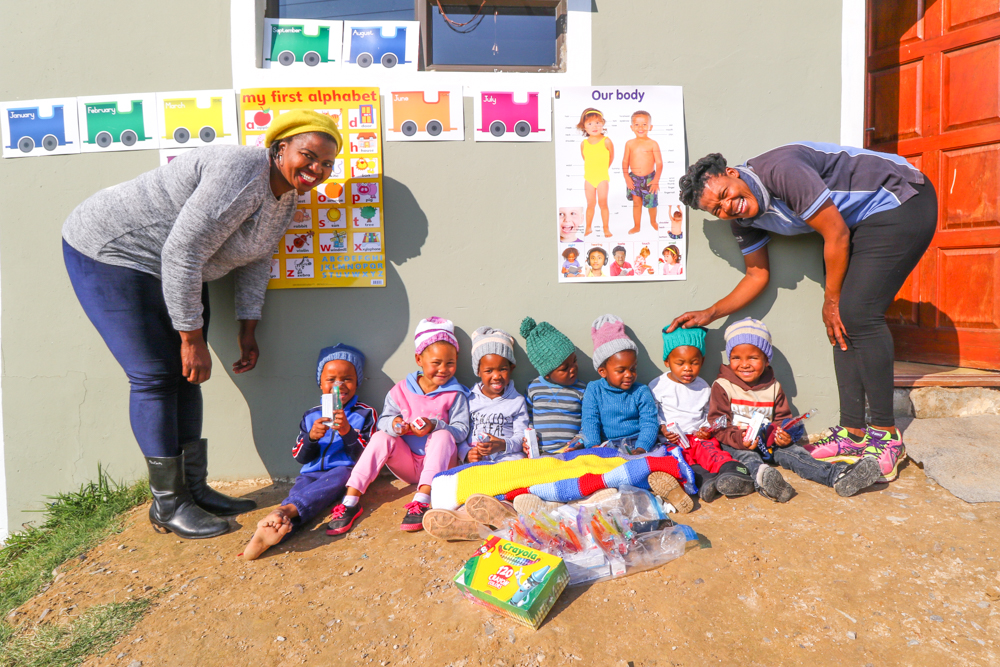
(302, 43)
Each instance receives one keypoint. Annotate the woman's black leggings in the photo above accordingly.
(885, 248)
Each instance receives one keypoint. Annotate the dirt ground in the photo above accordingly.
(900, 575)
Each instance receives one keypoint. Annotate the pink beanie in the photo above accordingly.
(608, 334)
(434, 330)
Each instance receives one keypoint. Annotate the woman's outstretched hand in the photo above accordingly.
(835, 330)
(693, 318)
(249, 352)
(196, 362)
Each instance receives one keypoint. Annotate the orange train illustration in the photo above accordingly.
(411, 113)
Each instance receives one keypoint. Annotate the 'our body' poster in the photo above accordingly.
(619, 156)
(337, 238)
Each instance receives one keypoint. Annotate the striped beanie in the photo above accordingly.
(749, 331)
(679, 337)
(341, 352)
(433, 330)
(486, 340)
(608, 334)
(547, 347)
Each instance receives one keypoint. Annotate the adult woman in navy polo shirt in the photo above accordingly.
(876, 214)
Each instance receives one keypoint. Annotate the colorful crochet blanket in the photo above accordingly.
(560, 478)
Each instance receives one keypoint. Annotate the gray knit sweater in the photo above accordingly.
(210, 211)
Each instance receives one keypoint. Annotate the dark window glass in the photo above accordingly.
(498, 36)
(332, 10)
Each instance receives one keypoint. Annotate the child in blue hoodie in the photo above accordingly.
(327, 448)
(499, 413)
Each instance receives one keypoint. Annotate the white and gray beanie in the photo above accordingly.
(487, 340)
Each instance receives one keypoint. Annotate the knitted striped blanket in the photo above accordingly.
(560, 478)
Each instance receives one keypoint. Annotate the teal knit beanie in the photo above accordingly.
(695, 337)
(547, 347)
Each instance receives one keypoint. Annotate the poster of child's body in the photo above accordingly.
(619, 157)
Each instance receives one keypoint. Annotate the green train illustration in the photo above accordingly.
(290, 43)
(106, 124)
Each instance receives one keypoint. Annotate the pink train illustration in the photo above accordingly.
(501, 114)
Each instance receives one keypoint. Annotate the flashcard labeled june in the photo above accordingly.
(189, 119)
(40, 127)
(385, 45)
(118, 122)
(433, 114)
(302, 43)
(524, 115)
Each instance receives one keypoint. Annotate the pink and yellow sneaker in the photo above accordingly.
(838, 446)
(888, 449)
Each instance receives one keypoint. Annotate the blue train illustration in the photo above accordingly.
(29, 129)
(369, 45)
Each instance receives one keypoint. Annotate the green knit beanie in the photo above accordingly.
(695, 337)
(547, 347)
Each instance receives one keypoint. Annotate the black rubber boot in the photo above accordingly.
(734, 480)
(173, 510)
(707, 490)
(196, 474)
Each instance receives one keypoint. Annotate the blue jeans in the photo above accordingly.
(127, 308)
(793, 458)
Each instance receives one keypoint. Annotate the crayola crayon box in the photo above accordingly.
(516, 581)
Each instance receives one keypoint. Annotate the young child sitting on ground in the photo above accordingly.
(747, 386)
(327, 448)
(616, 407)
(682, 401)
(424, 418)
(555, 397)
(499, 413)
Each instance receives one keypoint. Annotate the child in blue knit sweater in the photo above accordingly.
(616, 408)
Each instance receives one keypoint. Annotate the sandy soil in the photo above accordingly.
(901, 575)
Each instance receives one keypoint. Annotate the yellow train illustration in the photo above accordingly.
(183, 116)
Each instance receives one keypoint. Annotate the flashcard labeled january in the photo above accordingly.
(524, 115)
(117, 122)
(40, 127)
(302, 43)
(193, 118)
(385, 45)
(434, 114)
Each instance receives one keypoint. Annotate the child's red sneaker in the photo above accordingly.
(414, 519)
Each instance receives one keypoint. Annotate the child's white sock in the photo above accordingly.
(422, 498)
(351, 501)
(760, 475)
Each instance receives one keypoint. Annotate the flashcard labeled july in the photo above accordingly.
(118, 122)
(385, 45)
(524, 115)
(193, 118)
(300, 267)
(364, 192)
(302, 43)
(424, 115)
(40, 127)
(367, 242)
(365, 216)
(333, 242)
(298, 244)
(332, 218)
(362, 167)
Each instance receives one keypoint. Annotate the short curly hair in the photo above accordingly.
(692, 183)
(570, 251)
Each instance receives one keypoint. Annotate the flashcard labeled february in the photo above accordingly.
(433, 114)
(193, 118)
(118, 122)
(384, 45)
(524, 115)
(302, 43)
(40, 127)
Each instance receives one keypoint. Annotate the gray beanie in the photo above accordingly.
(608, 334)
(487, 340)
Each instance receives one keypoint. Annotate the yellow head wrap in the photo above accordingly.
(300, 121)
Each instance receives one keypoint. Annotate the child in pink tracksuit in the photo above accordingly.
(425, 418)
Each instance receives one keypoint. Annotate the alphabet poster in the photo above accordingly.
(506, 115)
(118, 123)
(619, 157)
(337, 238)
(39, 127)
(432, 114)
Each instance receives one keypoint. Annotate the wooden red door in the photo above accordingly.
(933, 96)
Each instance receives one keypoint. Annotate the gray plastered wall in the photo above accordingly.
(469, 231)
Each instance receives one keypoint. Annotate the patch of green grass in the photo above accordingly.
(93, 633)
(74, 522)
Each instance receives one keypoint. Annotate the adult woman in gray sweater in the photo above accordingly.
(139, 254)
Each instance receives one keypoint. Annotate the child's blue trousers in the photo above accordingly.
(315, 492)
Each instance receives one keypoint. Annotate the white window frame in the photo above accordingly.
(852, 74)
(247, 22)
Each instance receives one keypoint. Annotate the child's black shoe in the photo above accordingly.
(773, 486)
(342, 519)
(734, 480)
(414, 519)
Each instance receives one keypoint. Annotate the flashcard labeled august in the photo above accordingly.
(385, 45)
(434, 114)
(118, 122)
(302, 43)
(193, 118)
(40, 127)
(524, 115)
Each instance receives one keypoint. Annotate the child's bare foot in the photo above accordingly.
(635, 230)
(270, 530)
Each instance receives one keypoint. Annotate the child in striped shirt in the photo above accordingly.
(555, 397)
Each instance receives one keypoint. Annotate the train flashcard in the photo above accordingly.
(302, 43)
(385, 45)
(524, 115)
(167, 155)
(117, 122)
(193, 118)
(40, 127)
(434, 114)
